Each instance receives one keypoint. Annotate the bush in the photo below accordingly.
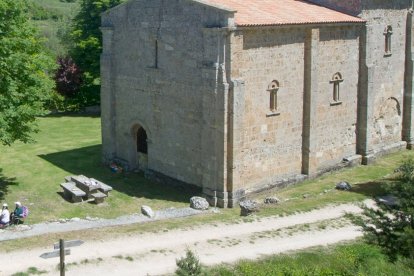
(68, 77)
(188, 265)
(392, 226)
(37, 12)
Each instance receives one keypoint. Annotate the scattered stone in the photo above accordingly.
(91, 219)
(343, 186)
(23, 227)
(326, 191)
(75, 219)
(388, 200)
(215, 210)
(271, 200)
(306, 195)
(147, 211)
(62, 220)
(199, 203)
(248, 207)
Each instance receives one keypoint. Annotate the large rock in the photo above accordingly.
(248, 207)
(271, 200)
(388, 200)
(147, 211)
(343, 186)
(199, 203)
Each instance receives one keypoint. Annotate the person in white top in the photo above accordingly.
(4, 216)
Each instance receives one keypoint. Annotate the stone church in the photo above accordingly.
(234, 96)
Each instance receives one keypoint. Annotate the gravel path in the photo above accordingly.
(155, 253)
(24, 231)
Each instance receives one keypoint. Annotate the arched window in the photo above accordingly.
(387, 34)
(142, 145)
(336, 80)
(273, 88)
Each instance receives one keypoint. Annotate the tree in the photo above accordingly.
(87, 44)
(24, 81)
(391, 226)
(67, 77)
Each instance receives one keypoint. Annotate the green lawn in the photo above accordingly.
(31, 173)
(348, 259)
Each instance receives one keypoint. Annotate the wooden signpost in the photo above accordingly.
(60, 251)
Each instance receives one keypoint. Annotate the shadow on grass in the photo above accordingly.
(5, 183)
(87, 161)
(371, 189)
(72, 114)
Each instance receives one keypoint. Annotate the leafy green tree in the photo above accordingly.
(87, 45)
(391, 226)
(24, 81)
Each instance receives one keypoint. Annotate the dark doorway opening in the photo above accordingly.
(142, 145)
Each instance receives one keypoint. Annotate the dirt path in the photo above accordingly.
(155, 253)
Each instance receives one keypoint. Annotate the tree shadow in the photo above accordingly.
(87, 161)
(5, 183)
(372, 188)
(72, 114)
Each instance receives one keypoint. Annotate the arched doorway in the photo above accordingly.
(141, 146)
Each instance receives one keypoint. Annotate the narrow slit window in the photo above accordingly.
(336, 80)
(156, 54)
(273, 88)
(388, 34)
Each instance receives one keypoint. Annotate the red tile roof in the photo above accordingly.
(280, 12)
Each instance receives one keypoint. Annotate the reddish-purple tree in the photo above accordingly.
(68, 77)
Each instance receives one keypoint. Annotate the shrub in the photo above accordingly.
(392, 226)
(188, 265)
(68, 77)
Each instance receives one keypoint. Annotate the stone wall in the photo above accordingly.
(230, 109)
(336, 119)
(384, 73)
(271, 140)
(348, 6)
(156, 80)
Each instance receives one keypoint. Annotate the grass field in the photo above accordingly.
(348, 259)
(31, 173)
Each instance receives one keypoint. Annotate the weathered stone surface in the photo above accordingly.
(201, 132)
(199, 203)
(147, 211)
(248, 207)
(343, 186)
(271, 200)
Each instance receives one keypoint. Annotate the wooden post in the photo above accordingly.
(62, 257)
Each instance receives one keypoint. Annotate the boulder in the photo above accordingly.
(271, 200)
(388, 200)
(199, 203)
(343, 186)
(147, 211)
(248, 207)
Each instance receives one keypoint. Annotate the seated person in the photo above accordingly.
(4, 216)
(19, 214)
